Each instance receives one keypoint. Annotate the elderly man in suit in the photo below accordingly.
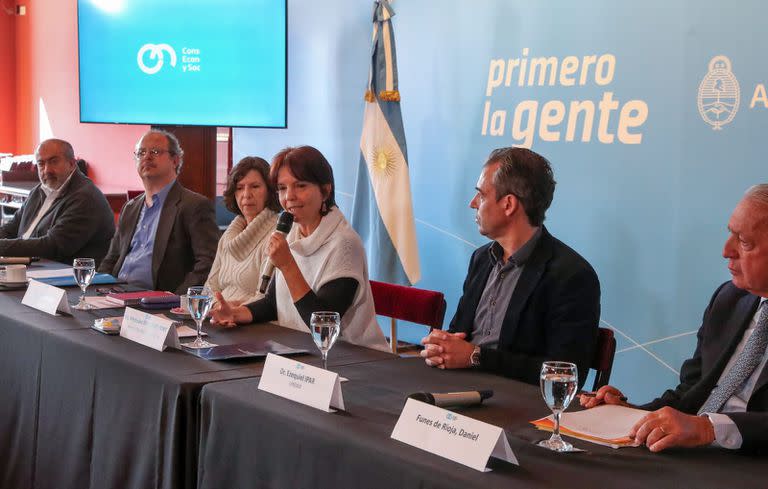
(722, 398)
(65, 217)
(166, 237)
(527, 297)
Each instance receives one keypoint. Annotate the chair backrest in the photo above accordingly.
(133, 193)
(419, 306)
(602, 362)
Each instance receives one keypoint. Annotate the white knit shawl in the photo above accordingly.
(332, 251)
(241, 251)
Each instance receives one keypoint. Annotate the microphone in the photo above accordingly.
(452, 399)
(284, 223)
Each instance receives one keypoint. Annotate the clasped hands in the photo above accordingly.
(230, 313)
(446, 350)
(661, 429)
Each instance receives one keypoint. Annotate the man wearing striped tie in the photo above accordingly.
(722, 399)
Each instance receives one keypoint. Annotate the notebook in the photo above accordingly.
(606, 425)
(134, 298)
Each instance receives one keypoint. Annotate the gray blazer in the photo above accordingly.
(185, 241)
(79, 224)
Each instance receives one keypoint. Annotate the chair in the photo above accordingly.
(602, 362)
(133, 193)
(419, 306)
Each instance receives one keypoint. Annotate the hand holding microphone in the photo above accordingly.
(284, 223)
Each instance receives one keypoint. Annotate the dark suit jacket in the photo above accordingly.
(727, 317)
(79, 224)
(553, 313)
(185, 241)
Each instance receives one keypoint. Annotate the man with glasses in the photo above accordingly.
(65, 217)
(166, 237)
(527, 297)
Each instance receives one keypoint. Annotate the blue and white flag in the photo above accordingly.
(382, 210)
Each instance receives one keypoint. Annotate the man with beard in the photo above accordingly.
(65, 217)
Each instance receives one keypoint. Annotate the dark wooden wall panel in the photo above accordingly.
(199, 145)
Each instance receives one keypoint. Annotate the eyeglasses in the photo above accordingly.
(141, 153)
(115, 289)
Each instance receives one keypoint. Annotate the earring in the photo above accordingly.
(324, 208)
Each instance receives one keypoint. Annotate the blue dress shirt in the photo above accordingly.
(137, 267)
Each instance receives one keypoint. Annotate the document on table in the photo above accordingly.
(605, 425)
(59, 272)
(185, 331)
(101, 302)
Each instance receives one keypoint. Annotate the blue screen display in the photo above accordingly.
(183, 62)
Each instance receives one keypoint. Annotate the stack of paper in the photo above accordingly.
(607, 425)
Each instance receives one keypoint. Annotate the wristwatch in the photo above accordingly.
(474, 358)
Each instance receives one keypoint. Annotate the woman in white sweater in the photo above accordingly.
(243, 246)
(320, 265)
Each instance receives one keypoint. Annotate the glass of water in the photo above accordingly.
(199, 300)
(83, 269)
(325, 327)
(559, 381)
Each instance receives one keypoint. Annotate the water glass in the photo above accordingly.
(84, 270)
(199, 300)
(559, 381)
(325, 327)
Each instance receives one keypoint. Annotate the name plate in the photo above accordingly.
(452, 436)
(149, 330)
(312, 386)
(46, 298)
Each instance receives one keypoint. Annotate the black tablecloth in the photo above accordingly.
(85, 410)
(252, 439)
(22, 331)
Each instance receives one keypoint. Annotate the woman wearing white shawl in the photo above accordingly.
(320, 265)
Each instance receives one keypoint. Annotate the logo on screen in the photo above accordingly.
(156, 54)
(718, 98)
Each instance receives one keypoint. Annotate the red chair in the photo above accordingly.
(602, 362)
(419, 306)
(133, 193)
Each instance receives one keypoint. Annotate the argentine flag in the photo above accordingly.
(382, 210)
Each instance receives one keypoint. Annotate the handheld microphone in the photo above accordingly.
(284, 223)
(452, 399)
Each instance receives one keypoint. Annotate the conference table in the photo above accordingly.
(82, 409)
(253, 439)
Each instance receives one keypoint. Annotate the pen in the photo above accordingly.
(592, 394)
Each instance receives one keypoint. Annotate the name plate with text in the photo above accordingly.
(46, 298)
(464, 440)
(312, 386)
(149, 330)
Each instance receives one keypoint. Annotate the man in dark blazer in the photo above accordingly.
(528, 297)
(65, 217)
(166, 237)
(722, 398)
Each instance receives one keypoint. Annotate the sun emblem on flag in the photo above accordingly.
(383, 161)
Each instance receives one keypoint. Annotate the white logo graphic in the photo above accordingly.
(719, 94)
(156, 53)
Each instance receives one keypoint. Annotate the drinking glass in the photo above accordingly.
(559, 381)
(83, 269)
(199, 300)
(325, 327)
